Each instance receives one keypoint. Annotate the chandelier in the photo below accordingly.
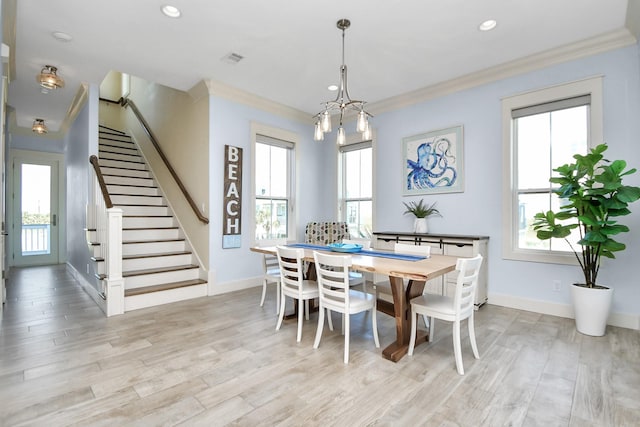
(49, 79)
(342, 103)
(39, 127)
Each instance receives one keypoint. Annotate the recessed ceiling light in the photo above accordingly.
(60, 36)
(171, 11)
(333, 88)
(488, 25)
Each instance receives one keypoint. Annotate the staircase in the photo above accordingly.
(158, 266)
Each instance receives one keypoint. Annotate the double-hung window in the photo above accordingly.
(543, 130)
(356, 188)
(273, 161)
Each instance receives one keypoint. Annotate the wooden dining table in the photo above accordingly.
(417, 272)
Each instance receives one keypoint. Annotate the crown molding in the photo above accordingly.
(222, 90)
(602, 43)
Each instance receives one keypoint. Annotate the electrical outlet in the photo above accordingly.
(556, 285)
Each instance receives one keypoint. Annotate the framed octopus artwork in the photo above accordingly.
(433, 162)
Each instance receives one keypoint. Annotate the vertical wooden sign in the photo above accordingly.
(232, 199)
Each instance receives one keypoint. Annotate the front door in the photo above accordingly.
(35, 211)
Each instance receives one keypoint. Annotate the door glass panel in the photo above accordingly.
(36, 210)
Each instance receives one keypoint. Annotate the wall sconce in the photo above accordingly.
(39, 127)
(49, 79)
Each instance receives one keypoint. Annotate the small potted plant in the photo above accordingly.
(421, 211)
(595, 197)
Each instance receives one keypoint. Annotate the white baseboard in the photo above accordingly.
(623, 320)
(223, 288)
(88, 288)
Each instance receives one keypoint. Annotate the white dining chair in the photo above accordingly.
(270, 274)
(357, 278)
(294, 285)
(452, 309)
(335, 294)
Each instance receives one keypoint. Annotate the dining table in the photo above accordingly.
(407, 277)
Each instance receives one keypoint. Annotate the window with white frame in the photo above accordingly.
(356, 189)
(543, 130)
(273, 166)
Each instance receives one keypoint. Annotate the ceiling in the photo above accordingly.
(291, 49)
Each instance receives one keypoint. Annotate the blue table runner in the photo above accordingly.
(366, 252)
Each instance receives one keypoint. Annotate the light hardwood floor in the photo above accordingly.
(218, 361)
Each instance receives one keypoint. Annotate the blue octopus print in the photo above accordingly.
(433, 166)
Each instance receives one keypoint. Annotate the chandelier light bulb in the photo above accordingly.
(326, 122)
(318, 135)
(366, 135)
(361, 124)
(341, 136)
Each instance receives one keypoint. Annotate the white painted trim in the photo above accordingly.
(602, 43)
(236, 285)
(623, 320)
(88, 288)
(242, 97)
(592, 86)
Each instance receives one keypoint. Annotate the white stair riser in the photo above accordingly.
(134, 199)
(121, 164)
(127, 180)
(115, 141)
(126, 189)
(145, 280)
(108, 148)
(152, 247)
(91, 236)
(144, 210)
(95, 250)
(139, 222)
(127, 157)
(164, 297)
(150, 234)
(99, 267)
(156, 262)
(125, 172)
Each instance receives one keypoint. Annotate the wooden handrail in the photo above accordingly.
(103, 187)
(126, 102)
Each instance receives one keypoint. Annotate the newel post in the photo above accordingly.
(113, 260)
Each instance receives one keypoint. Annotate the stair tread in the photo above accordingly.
(149, 228)
(151, 255)
(129, 242)
(139, 205)
(156, 255)
(110, 128)
(147, 216)
(132, 273)
(163, 287)
(132, 185)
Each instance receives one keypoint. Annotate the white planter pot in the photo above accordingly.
(591, 307)
(420, 225)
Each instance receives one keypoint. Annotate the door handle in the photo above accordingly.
(54, 222)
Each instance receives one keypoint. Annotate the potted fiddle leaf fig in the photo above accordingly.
(421, 211)
(594, 197)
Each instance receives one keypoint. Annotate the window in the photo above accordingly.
(273, 166)
(542, 131)
(356, 202)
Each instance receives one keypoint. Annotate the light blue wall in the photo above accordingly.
(231, 124)
(36, 143)
(478, 210)
(80, 141)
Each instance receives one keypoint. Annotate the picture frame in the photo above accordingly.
(433, 162)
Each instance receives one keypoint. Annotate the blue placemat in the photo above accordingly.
(391, 255)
